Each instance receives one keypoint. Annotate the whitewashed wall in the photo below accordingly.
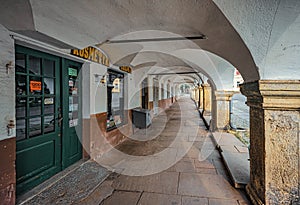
(98, 92)
(7, 83)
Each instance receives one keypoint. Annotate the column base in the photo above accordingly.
(223, 129)
(253, 196)
(206, 113)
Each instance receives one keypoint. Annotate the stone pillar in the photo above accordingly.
(274, 141)
(206, 99)
(196, 95)
(192, 93)
(222, 109)
(201, 97)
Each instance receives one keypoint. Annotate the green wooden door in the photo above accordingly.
(48, 111)
(38, 101)
(71, 132)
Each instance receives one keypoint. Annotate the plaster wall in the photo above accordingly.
(7, 83)
(166, 90)
(134, 87)
(162, 90)
(86, 107)
(150, 88)
(98, 92)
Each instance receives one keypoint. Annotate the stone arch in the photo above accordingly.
(270, 29)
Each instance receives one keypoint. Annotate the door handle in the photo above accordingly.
(59, 120)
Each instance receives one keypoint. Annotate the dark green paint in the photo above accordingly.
(40, 157)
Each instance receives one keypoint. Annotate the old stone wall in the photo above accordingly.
(282, 156)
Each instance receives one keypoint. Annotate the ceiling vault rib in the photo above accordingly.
(183, 38)
(177, 73)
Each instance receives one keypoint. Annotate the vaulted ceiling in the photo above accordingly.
(211, 37)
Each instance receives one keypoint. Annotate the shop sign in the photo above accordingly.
(35, 86)
(126, 69)
(72, 72)
(92, 54)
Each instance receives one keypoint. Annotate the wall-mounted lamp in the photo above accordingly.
(100, 79)
(9, 66)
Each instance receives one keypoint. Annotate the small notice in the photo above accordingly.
(48, 101)
(72, 72)
(35, 85)
(71, 83)
(73, 123)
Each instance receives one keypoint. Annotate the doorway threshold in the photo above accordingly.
(73, 184)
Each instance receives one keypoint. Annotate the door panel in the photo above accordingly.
(38, 155)
(48, 113)
(72, 148)
(29, 167)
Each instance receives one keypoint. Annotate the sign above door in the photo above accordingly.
(93, 54)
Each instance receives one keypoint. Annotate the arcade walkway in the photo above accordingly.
(170, 175)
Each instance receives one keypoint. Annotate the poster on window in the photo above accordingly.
(115, 102)
(73, 123)
(116, 85)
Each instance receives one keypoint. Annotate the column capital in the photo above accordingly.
(224, 95)
(273, 94)
(205, 85)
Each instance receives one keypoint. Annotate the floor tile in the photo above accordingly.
(159, 199)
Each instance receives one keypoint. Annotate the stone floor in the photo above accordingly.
(174, 161)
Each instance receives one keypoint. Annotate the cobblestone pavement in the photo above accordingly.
(174, 162)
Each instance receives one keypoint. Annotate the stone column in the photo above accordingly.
(192, 94)
(196, 95)
(222, 109)
(201, 97)
(274, 141)
(206, 99)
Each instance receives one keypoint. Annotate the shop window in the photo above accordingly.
(115, 100)
(35, 95)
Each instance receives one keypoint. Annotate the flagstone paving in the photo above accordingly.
(174, 161)
(186, 167)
